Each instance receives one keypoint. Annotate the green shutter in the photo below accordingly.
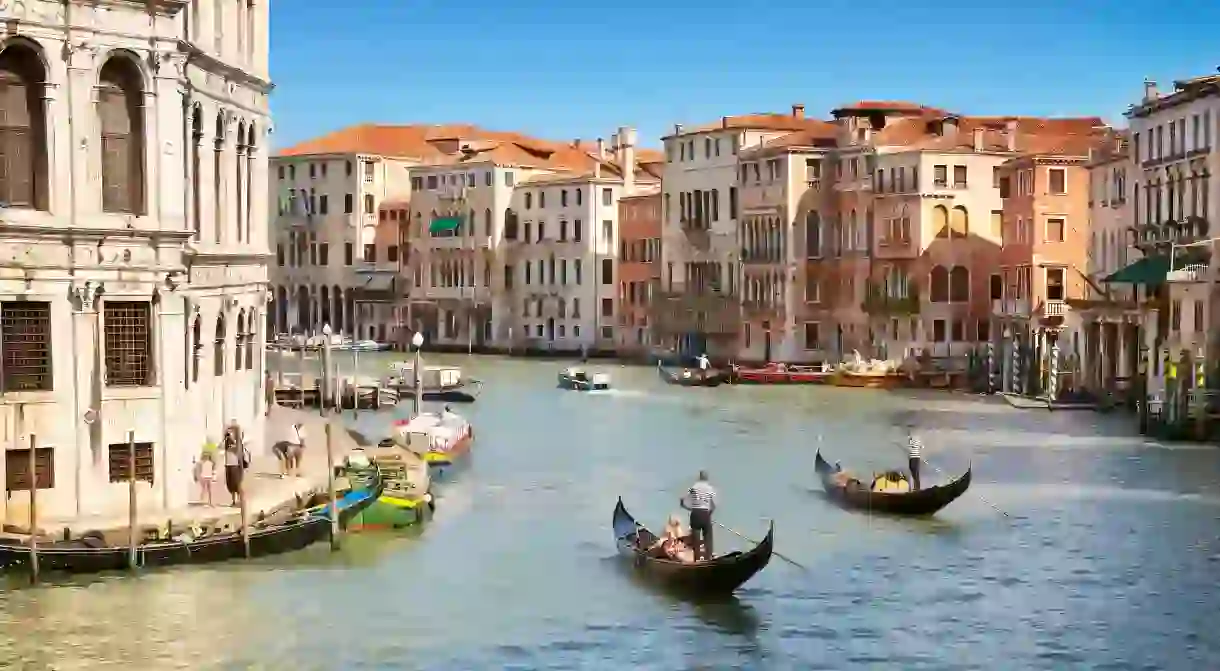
(442, 224)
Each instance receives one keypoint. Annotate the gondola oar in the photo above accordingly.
(993, 506)
(747, 538)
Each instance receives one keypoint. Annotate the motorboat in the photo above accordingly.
(578, 379)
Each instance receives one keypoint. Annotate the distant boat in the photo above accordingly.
(365, 346)
(577, 379)
(441, 383)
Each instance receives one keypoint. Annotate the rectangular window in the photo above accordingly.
(1058, 182)
(323, 204)
(959, 176)
(25, 343)
(348, 253)
(128, 340)
(607, 307)
(938, 330)
(349, 202)
(324, 254)
(392, 254)
(607, 271)
(119, 456)
(813, 335)
(1055, 230)
(607, 196)
(940, 175)
(370, 253)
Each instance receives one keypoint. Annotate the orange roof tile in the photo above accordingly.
(894, 106)
(452, 144)
(822, 137)
(759, 121)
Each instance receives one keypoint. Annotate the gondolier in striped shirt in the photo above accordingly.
(914, 456)
(700, 500)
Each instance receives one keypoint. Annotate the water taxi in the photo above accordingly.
(577, 379)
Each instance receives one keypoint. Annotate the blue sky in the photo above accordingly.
(560, 71)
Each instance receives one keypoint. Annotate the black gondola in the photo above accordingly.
(692, 378)
(90, 554)
(452, 395)
(717, 577)
(916, 503)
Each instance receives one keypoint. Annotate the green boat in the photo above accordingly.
(406, 499)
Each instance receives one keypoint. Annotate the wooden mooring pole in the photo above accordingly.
(33, 466)
(133, 541)
(330, 483)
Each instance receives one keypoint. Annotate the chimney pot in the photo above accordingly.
(677, 129)
(798, 111)
(1150, 92)
(1010, 130)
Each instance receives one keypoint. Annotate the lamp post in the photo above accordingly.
(991, 368)
(1052, 392)
(326, 390)
(417, 342)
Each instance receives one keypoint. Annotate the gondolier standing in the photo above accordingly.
(914, 456)
(700, 500)
(704, 364)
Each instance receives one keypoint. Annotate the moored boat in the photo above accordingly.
(406, 498)
(692, 378)
(779, 373)
(579, 380)
(441, 438)
(718, 576)
(443, 384)
(92, 554)
(858, 496)
(867, 380)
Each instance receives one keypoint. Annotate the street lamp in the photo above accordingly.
(417, 342)
(328, 384)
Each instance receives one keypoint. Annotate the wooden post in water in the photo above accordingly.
(132, 531)
(33, 466)
(330, 483)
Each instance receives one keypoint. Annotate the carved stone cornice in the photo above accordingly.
(84, 294)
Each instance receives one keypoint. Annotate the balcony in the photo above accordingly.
(878, 303)
(1011, 307)
(451, 195)
(1054, 308)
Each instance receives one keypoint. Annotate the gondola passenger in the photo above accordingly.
(672, 543)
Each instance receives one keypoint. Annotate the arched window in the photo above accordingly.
(336, 299)
(940, 221)
(251, 332)
(938, 281)
(959, 285)
(370, 204)
(239, 338)
(218, 347)
(196, 347)
(251, 158)
(487, 221)
(324, 304)
(469, 224)
(529, 200)
(23, 181)
(959, 222)
(239, 184)
(218, 146)
(196, 196)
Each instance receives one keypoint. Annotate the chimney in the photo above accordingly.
(1010, 132)
(677, 129)
(576, 143)
(798, 111)
(626, 137)
(948, 126)
(615, 149)
(1150, 92)
(980, 137)
(598, 158)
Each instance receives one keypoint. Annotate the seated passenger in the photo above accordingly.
(672, 543)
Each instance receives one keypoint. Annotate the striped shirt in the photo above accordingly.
(701, 496)
(914, 447)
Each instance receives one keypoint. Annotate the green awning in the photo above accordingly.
(1152, 270)
(443, 224)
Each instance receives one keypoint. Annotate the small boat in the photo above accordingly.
(91, 554)
(692, 378)
(718, 576)
(440, 438)
(778, 373)
(870, 380)
(367, 346)
(579, 380)
(443, 384)
(405, 499)
(921, 502)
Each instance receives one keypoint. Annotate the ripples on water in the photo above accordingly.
(1103, 557)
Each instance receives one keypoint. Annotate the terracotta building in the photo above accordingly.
(639, 270)
(1045, 251)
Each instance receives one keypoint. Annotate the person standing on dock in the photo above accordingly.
(268, 391)
(914, 456)
(700, 500)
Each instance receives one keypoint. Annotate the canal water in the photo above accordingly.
(1078, 547)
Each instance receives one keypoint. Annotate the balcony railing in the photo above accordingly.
(1054, 308)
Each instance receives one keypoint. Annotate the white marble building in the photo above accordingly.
(132, 244)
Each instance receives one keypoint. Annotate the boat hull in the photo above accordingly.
(918, 503)
(773, 376)
(459, 451)
(711, 378)
(390, 512)
(718, 577)
(865, 381)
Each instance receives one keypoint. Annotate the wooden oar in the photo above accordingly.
(747, 538)
(993, 506)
